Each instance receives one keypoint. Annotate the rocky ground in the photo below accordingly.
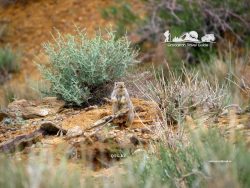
(83, 134)
(33, 126)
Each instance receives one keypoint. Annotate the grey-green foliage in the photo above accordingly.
(208, 160)
(185, 164)
(37, 172)
(78, 65)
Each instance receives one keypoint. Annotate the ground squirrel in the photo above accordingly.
(121, 100)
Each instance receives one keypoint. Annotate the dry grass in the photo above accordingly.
(181, 95)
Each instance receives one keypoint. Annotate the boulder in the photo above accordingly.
(34, 109)
(3, 115)
(34, 112)
(74, 132)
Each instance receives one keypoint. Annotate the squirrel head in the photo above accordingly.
(119, 85)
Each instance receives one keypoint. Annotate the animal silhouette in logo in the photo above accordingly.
(191, 36)
(208, 38)
(167, 36)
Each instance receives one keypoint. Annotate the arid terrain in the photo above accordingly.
(176, 108)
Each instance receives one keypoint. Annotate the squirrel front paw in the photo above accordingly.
(123, 100)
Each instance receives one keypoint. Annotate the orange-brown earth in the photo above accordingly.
(108, 139)
(93, 150)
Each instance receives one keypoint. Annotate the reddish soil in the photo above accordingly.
(116, 137)
(69, 118)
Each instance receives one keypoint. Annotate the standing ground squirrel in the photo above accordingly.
(121, 100)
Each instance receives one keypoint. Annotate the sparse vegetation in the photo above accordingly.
(191, 126)
(179, 95)
(123, 15)
(37, 174)
(227, 20)
(230, 70)
(9, 95)
(79, 66)
(8, 60)
(30, 92)
(207, 160)
(8, 63)
(3, 30)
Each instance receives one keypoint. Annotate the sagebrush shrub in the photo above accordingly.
(79, 65)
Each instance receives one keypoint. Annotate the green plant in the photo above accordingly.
(207, 160)
(8, 63)
(8, 60)
(9, 95)
(123, 15)
(38, 171)
(79, 67)
(227, 20)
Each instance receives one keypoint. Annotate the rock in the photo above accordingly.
(139, 109)
(20, 142)
(49, 128)
(75, 131)
(233, 108)
(3, 115)
(139, 152)
(7, 121)
(136, 130)
(224, 112)
(34, 109)
(145, 130)
(34, 112)
(134, 140)
(53, 104)
(21, 102)
(248, 125)
(90, 108)
(146, 136)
